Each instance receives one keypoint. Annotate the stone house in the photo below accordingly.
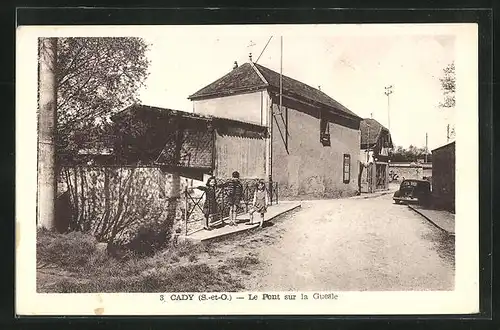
(313, 143)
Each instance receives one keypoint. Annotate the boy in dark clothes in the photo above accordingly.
(235, 192)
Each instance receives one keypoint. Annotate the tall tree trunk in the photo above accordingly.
(174, 184)
(46, 133)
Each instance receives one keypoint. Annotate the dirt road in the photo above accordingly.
(349, 244)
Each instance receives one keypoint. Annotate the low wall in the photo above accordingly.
(114, 203)
(415, 172)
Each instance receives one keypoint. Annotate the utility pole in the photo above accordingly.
(47, 119)
(447, 133)
(388, 91)
(426, 150)
(271, 123)
(281, 74)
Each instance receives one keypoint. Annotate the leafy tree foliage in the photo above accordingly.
(95, 78)
(412, 154)
(448, 86)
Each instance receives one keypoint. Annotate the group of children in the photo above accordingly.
(235, 194)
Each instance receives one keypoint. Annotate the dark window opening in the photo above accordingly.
(324, 132)
(347, 168)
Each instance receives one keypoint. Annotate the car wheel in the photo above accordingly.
(396, 202)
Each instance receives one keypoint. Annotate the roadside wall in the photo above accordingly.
(407, 172)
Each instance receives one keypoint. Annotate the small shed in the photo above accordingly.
(443, 176)
(191, 143)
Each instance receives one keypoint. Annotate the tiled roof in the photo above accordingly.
(248, 77)
(243, 78)
(370, 131)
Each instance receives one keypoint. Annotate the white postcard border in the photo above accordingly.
(465, 298)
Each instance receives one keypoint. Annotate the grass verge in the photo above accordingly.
(72, 263)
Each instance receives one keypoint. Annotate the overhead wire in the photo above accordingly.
(264, 49)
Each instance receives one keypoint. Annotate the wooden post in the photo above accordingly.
(47, 119)
(277, 192)
(185, 211)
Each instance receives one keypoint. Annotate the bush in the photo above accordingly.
(71, 250)
(150, 239)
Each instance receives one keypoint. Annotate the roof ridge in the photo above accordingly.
(296, 80)
(259, 73)
(303, 83)
(376, 121)
(309, 86)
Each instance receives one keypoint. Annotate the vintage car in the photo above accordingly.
(413, 191)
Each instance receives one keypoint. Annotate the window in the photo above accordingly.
(324, 132)
(347, 168)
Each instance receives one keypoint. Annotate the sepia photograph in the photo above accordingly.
(296, 163)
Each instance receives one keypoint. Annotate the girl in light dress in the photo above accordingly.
(260, 203)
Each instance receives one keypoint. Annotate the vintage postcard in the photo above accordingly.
(247, 169)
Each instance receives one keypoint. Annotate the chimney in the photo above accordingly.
(250, 57)
(235, 65)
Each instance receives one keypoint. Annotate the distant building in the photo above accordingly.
(313, 145)
(376, 142)
(443, 176)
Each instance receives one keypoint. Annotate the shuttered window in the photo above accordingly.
(324, 132)
(347, 168)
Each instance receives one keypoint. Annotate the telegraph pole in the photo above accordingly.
(426, 150)
(281, 73)
(388, 91)
(47, 112)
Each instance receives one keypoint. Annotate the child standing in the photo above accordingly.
(210, 205)
(234, 196)
(260, 202)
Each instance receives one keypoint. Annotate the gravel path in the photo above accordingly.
(356, 245)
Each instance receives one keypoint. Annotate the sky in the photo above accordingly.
(352, 64)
